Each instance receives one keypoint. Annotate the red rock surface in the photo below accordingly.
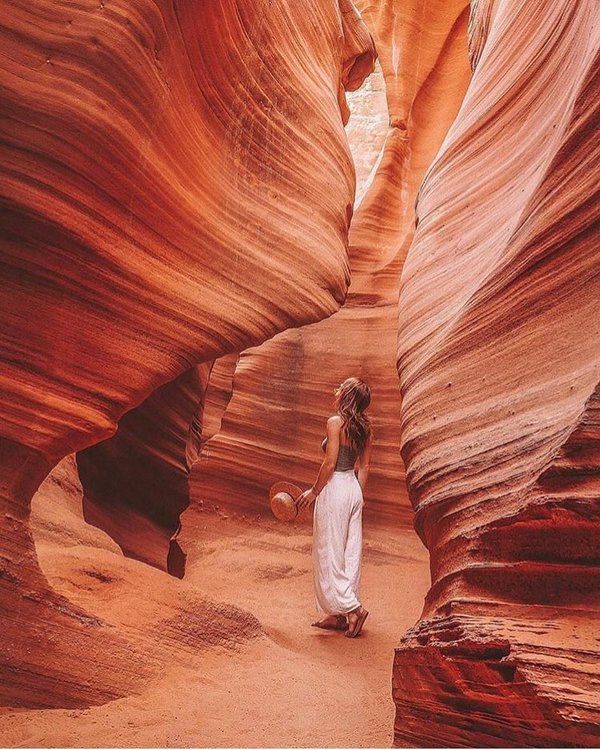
(142, 239)
(283, 390)
(160, 175)
(499, 355)
(177, 187)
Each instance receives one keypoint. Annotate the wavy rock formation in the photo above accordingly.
(499, 354)
(135, 484)
(138, 623)
(160, 178)
(282, 391)
(54, 651)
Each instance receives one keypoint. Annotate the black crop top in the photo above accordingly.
(346, 457)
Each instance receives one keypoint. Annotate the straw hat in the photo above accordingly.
(283, 496)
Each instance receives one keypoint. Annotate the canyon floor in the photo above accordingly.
(232, 659)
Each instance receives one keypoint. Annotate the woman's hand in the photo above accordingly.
(305, 499)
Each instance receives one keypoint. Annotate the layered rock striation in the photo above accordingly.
(499, 352)
(161, 176)
(177, 188)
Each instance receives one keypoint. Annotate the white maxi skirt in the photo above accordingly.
(337, 544)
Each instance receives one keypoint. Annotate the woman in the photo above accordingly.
(338, 498)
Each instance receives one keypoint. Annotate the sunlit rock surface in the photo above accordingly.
(282, 391)
(499, 354)
(164, 167)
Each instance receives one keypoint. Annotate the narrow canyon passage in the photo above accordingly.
(184, 284)
(186, 656)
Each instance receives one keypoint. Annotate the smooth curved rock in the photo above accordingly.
(160, 176)
(135, 484)
(118, 627)
(499, 353)
(54, 652)
(158, 157)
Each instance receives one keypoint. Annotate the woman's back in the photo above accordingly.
(346, 457)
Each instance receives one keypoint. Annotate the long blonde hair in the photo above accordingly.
(352, 397)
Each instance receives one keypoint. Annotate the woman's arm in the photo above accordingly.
(363, 465)
(334, 425)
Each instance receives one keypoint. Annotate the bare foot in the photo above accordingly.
(356, 620)
(331, 622)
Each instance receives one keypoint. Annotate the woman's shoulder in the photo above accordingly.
(334, 422)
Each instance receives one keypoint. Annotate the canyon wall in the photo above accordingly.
(499, 356)
(282, 391)
(161, 181)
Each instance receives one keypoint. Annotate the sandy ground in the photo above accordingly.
(286, 684)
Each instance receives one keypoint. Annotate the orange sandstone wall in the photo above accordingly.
(159, 159)
(499, 357)
(282, 391)
(160, 177)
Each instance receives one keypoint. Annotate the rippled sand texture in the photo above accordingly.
(499, 355)
(176, 185)
(282, 391)
(225, 657)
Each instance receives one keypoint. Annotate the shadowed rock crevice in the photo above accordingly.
(136, 484)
